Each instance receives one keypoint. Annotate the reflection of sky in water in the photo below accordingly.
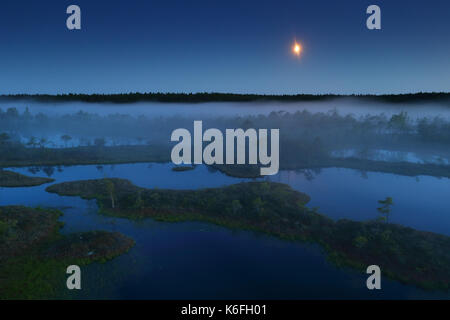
(198, 260)
(420, 202)
(391, 155)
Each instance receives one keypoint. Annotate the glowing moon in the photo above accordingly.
(297, 49)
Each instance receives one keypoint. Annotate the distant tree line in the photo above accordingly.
(228, 97)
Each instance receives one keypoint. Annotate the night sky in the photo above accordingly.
(239, 46)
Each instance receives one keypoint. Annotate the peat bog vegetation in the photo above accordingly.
(414, 257)
(12, 179)
(34, 254)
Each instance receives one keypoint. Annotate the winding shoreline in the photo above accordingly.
(407, 255)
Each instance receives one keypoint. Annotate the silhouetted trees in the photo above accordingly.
(385, 208)
(229, 97)
(66, 138)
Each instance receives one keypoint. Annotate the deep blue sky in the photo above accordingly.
(227, 46)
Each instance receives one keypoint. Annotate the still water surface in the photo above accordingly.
(199, 260)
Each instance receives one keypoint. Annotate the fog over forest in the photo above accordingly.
(344, 128)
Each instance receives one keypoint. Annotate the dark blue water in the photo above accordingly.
(198, 260)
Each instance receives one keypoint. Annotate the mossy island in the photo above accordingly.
(34, 255)
(11, 179)
(404, 254)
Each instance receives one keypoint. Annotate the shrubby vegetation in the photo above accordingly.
(331, 130)
(18, 155)
(13, 179)
(314, 133)
(34, 256)
(411, 256)
(307, 140)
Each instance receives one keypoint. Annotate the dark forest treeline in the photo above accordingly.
(229, 97)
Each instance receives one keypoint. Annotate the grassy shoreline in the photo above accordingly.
(85, 156)
(34, 255)
(407, 255)
(400, 168)
(161, 154)
(9, 179)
